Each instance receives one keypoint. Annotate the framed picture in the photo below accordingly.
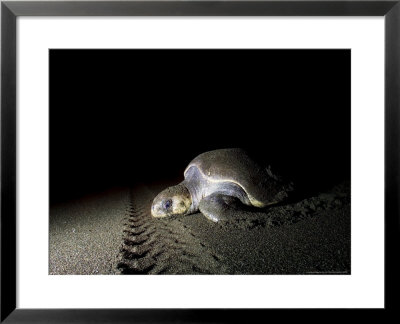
(198, 160)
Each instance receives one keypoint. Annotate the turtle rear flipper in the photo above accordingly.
(217, 206)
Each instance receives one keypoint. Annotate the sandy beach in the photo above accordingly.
(85, 234)
(114, 233)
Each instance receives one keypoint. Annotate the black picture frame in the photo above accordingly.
(10, 10)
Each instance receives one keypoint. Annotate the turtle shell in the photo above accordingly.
(235, 165)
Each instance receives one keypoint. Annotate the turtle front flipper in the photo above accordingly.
(217, 207)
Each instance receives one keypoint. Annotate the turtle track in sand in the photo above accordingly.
(158, 246)
(291, 213)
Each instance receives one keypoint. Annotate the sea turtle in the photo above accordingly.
(216, 181)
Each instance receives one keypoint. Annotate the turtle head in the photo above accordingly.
(174, 200)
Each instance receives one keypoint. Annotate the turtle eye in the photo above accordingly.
(168, 204)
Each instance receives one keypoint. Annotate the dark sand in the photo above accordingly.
(114, 233)
(85, 235)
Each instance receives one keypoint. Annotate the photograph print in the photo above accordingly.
(200, 161)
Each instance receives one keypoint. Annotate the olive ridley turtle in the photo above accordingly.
(216, 181)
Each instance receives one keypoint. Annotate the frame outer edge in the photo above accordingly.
(8, 162)
(202, 8)
(8, 158)
(392, 153)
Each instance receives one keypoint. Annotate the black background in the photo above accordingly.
(122, 117)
